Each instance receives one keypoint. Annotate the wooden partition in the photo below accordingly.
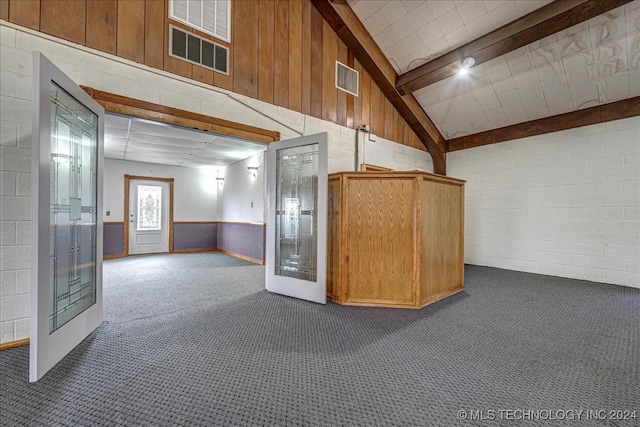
(396, 239)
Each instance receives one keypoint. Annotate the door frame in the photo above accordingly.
(127, 182)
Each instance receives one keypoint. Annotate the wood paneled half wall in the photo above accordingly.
(396, 239)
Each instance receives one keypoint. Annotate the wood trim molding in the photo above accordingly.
(113, 256)
(127, 179)
(150, 111)
(352, 32)
(263, 224)
(194, 250)
(14, 344)
(113, 222)
(195, 222)
(589, 116)
(366, 167)
(240, 256)
(540, 23)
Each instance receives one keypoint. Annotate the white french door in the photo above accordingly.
(297, 218)
(148, 216)
(66, 288)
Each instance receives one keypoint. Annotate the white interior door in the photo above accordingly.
(66, 289)
(297, 218)
(148, 216)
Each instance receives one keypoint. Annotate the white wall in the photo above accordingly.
(563, 204)
(242, 196)
(112, 74)
(195, 193)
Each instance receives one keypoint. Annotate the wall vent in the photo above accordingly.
(346, 79)
(211, 16)
(194, 49)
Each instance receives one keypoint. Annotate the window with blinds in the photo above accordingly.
(209, 16)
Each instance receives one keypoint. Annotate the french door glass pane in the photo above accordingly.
(73, 208)
(296, 212)
(149, 207)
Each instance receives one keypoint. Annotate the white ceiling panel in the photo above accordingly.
(128, 138)
(593, 63)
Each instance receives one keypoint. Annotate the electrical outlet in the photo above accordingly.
(108, 213)
(251, 204)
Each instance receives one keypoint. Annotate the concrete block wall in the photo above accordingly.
(563, 204)
(112, 74)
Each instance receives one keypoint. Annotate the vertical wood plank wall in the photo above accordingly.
(281, 52)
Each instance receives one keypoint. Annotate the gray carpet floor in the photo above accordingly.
(195, 340)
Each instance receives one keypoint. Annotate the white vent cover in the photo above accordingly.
(194, 49)
(210, 16)
(346, 78)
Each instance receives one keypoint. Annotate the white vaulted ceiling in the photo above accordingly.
(592, 63)
(139, 140)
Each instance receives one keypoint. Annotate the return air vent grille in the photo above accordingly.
(197, 50)
(346, 78)
(211, 16)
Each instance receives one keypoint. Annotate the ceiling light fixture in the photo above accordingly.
(466, 64)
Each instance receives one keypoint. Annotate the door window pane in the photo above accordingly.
(149, 207)
(73, 208)
(296, 212)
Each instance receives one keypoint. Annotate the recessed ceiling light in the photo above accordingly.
(463, 71)
(468, 62)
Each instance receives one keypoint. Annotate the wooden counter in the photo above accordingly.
(396, 239)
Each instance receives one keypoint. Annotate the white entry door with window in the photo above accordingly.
(66, 279)
(297, 218)
(148, 216)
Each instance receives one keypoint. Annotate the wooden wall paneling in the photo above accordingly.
(25, 13)
(388, 119)
(365, 96)
(305, 97)
(341, 106)
(356, 117)
(295, 55)
(130, 35)
(154, 30)
(266, 37)
(374, 111)
(245, 44)
(65, 19)
(329, 56)
(101, 25)
(202, 74)
(4, 9)
(333, 240)
(398, 129)
(380, 227)
(442, 239)
(281, 47)
(317, 36)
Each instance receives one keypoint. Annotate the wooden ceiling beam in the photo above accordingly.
(589, 116)
(540, 23)
(352, 32)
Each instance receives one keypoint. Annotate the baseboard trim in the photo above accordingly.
(188, 251)
(14, 344)
(243, 257)
(112, 256)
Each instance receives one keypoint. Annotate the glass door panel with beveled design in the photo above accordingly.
(296, 226)
(66, 292)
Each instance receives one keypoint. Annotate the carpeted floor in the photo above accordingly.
(195, 340)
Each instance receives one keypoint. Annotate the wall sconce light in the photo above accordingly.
(253, 170)
(220, 179)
